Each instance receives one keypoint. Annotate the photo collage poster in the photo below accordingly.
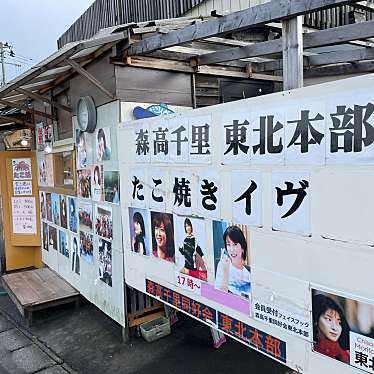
(98, 188)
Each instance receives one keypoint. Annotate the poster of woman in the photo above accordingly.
(193, 258)
(56, 208)
(97, 182)
(42, 169)
(45, 237)
(63, 212)
(52, 238)
(63, 243)
(163, 236)
(43, 205)
(81, 149)
(73, 215)
(232, 258)
(75, 259)
(48, 202)
(140, 231)
(103, 147)
(105, 261)
(343, 328)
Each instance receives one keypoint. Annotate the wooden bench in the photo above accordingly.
(33, 290)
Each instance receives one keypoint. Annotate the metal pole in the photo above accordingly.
(2, 63)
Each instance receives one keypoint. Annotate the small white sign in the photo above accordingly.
(286, 321)
(187, 283)
(246, 197)
(24, 215)
(21, 168)
(22, 188)
(361, 352)
(291, 202)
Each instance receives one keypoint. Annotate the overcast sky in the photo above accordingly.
(33, 27)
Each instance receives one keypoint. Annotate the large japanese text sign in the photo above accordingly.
(269, 192)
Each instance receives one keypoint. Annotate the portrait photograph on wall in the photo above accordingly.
(140, 231)
(86, 246)
(192, 255)
(97, 182)
(73, 215)
(63, 243)
(111, 186)
(52, 238)
(42, 171)
(103, 222)
(105, 261)
(43, 205)
(56, 208)
(81, 149)
(343, 329)
(85, 216)
(162, 229)
(48, 203)
(75, 255)
(84, 183)
(103, 145)
(63, 212)
(45, 237)
(232, 258)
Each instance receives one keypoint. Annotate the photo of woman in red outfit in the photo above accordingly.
(330, 328)
(163, 236)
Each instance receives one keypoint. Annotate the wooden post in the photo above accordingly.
(292, 36)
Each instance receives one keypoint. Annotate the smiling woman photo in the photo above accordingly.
(163, 236)
(233, 275)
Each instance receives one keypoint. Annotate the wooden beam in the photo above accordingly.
(43, 99)
(258, 15)
(63, 78)
(329, 58)
(60, 57)
(292, 37)
(84, 73)
(336, 35)
(25, 108)
(338, 57)
(360, 67)
(15, 120)
(160, 64)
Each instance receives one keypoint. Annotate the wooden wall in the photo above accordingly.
(101, 69)
(150, 86)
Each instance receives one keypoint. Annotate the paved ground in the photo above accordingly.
(64, 340)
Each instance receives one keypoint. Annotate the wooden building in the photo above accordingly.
(186, 62)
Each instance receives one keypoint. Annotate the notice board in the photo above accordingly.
(255, 217)
(20, 203)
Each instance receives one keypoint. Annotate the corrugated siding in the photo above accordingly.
(107, 13)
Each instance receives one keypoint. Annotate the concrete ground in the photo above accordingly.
(64, 340)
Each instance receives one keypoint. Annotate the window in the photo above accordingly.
(64, 171)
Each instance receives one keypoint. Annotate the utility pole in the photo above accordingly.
(2, 58)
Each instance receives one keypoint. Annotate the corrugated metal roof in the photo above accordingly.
(106, 13)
